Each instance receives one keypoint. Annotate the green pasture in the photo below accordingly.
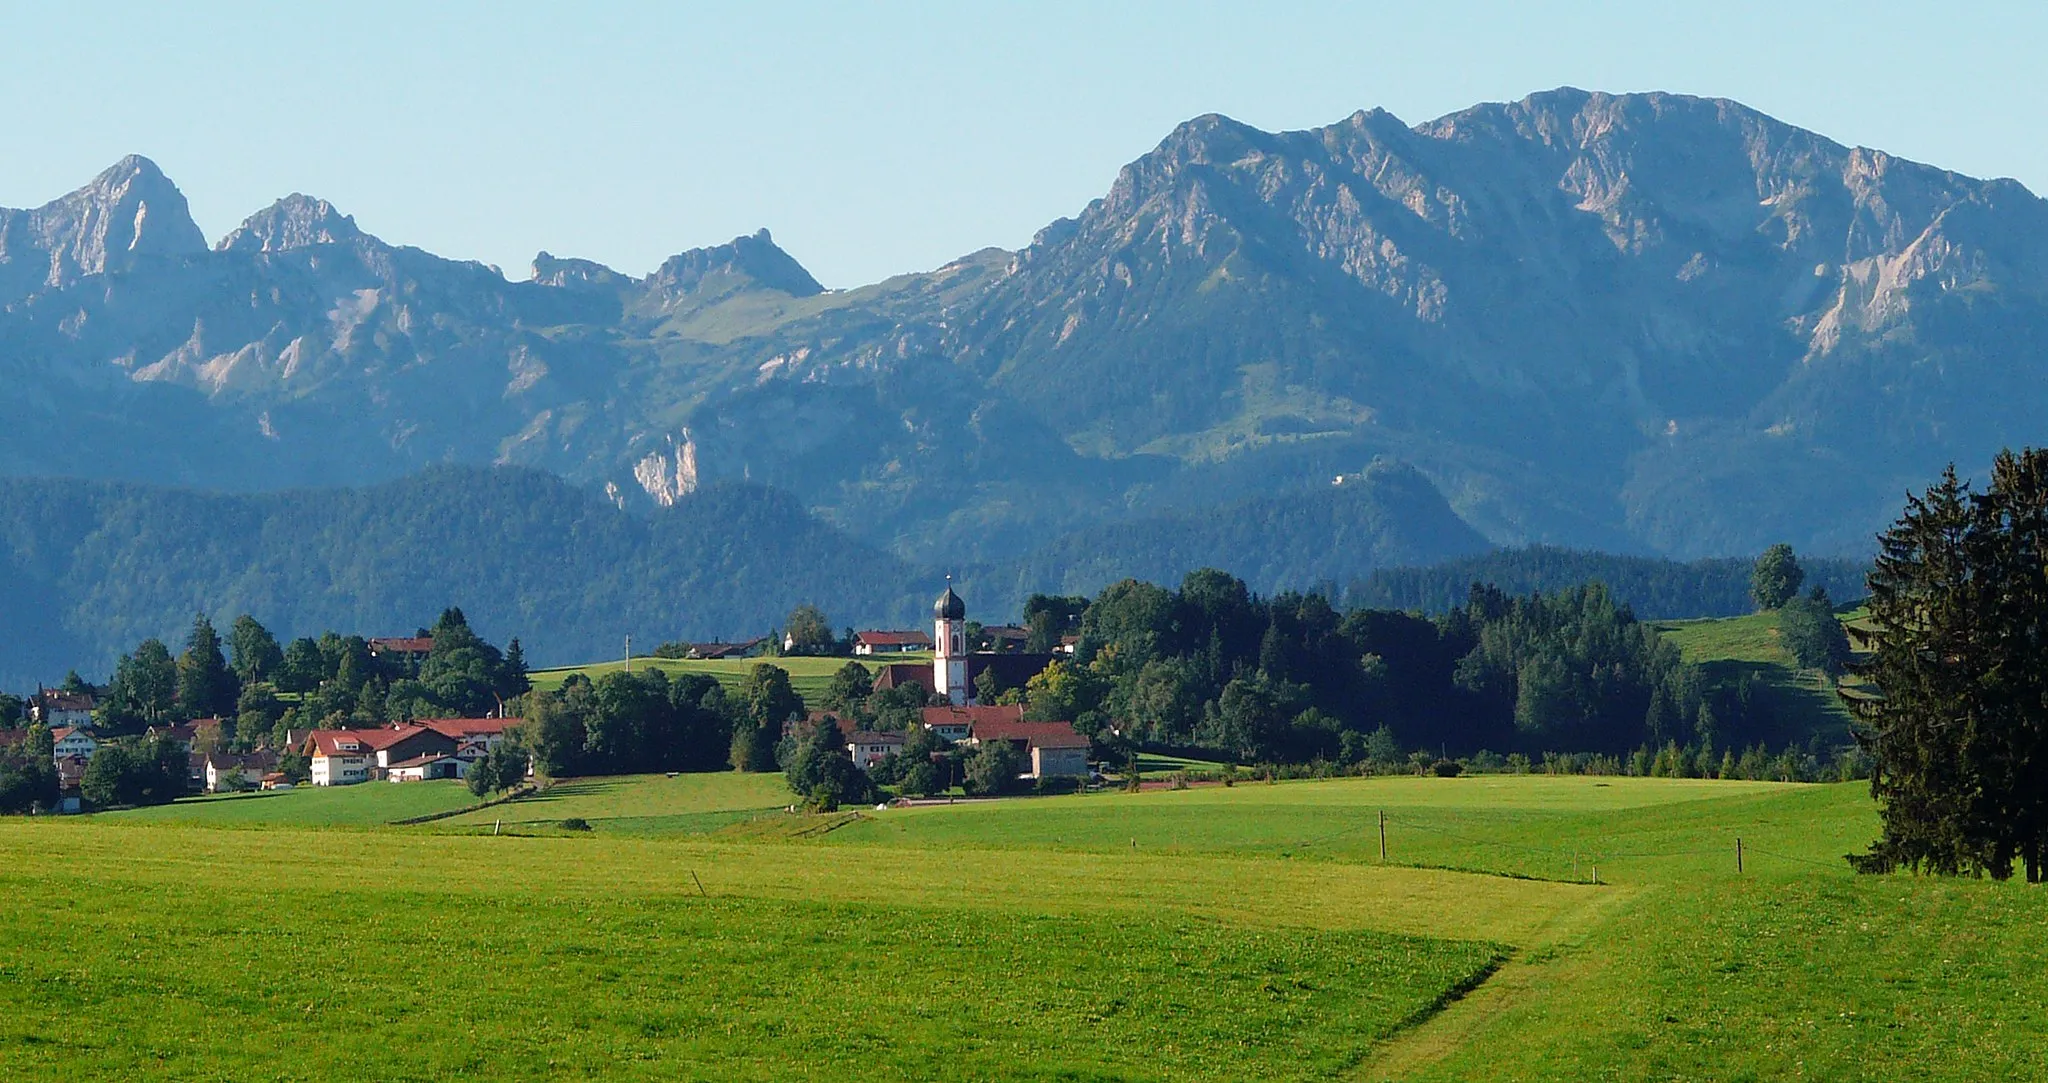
(640, 804)
(1242, 932)
(1730, 647)
(367, 804)
(809, 676)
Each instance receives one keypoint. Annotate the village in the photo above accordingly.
(965, 660)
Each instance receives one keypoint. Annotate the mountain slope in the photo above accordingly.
(1644, 322)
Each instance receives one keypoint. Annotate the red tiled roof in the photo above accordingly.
(904, 674)
(1033, 734)
(328, 742)
(972, 716)
(459, 728)
(893, 639)
(402, 645)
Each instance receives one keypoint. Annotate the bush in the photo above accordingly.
(575, 823)
(1446, 768)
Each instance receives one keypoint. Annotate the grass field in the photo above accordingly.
(641, 804)
(1730, 647)
(367, 805)
(1247, 932)
(809, 676)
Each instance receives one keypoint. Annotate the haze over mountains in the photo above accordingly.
(1647, 323)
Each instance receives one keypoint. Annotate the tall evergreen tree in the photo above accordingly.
(253, 650)
(206, 686)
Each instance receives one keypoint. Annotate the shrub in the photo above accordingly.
(1446, 768)
(575, 823)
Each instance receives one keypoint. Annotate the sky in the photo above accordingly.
(877, 139)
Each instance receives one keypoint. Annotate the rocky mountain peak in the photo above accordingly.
(755, 258)
(130, 211)
(296, 221)
(561, 273)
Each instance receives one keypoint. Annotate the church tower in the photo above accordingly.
(949, 634)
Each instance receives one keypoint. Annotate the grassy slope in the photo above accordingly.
(641, 804)
(1732, 646)
(365, 805)
(1029, 939)
(809, 676)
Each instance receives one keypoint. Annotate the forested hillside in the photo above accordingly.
(1653, 587)
(94, 567)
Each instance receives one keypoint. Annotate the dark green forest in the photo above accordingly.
(1651, 586)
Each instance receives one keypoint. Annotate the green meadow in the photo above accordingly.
(809, 676)
(1225, 933)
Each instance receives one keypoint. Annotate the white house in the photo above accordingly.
(870, 643)
(339, 757)
(72, 741)
(223, 769)
(57, 709)
(869, 748)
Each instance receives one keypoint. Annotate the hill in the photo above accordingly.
(1642, 323)
(88, 569)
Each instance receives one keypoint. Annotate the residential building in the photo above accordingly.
(250, 769)
(872, 643)
(869, 748)
(57, 709)
(72, 742)
(339, 757)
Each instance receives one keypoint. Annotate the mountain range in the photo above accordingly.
(1647, 323)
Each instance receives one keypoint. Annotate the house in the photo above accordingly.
(70, 771)
(339, 757)
(724, 650)
(342, 757)
(957, 724)
(72, 742)
(251, 769)
(870, 643)
(276, 780)
(405, 651)
(57, 709)
(183, 734)
(1004, 638)
(1053, 749)
(869, 748)
(1067, 645)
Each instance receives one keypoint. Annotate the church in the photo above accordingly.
(956, 671)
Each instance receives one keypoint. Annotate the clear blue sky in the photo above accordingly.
(877, 139)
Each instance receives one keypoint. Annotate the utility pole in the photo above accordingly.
(1383, 836)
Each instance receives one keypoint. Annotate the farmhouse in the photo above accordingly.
(870, 643)
(403, 751)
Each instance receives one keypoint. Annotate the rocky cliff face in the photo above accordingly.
(1642, 321)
